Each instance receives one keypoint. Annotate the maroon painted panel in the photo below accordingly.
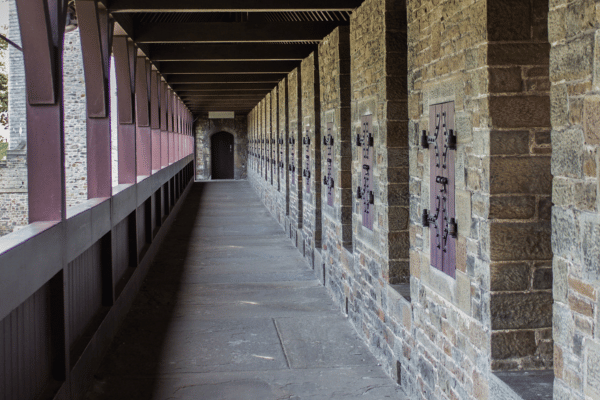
(96, 75)
(329, 183)
(96, 36)
(126, 150)
(42, 28)
(39, 35)
(365, 190)
(141, 93)
(123, 70)
(448, 164)
(442, 216)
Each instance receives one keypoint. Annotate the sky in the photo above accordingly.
(3, 23)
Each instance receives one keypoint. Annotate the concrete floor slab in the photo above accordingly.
(230, 310)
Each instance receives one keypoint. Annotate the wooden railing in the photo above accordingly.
(65, 286)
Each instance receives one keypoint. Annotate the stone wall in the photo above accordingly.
(520, 184)
(294, 224)
(334, 73)
(13, 192)
(574, 35)
(205, 128)
(283, 208)
(310, 127)
(75, 120)
(16, 83)
(13, 172)
(523, 78)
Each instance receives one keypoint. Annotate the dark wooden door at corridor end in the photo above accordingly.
(221, 152)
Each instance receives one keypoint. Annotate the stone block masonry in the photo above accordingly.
(205, 128)
(75, 120)
(524, 80)
(574, 36)
(310, 152)
(334, 73)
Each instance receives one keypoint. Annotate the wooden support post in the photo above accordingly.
(144, 142)
(96, 29)
(124, 53)
(155, 120)
(164, 133)
(42, 25)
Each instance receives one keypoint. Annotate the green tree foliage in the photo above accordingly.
(3, 148)
(3, 81)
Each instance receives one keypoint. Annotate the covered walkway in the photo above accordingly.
(230, 310)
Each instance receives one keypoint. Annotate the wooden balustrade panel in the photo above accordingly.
(25, 348)
(84, 291)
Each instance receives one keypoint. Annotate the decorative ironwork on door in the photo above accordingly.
(328, 179)
(292, 166)
(441, 218)
(364, 191)
(281, 164)
(306, 171)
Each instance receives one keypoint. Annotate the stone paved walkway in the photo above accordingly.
(231, 311)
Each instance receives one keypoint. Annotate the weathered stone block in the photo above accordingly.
(520, 111)
(399, 272)
(592, 369)
(521, 310)
(572, 60)
(520, 241)
(504, 80)
(580, 193)
(591, 119)
(529, 175)
(509, 277)
(518, 53)
(542, 278)
(463, 212)
(508, 20)
(510, 344)
(590, 237)
(567, 154)
(512, 207)
(559, 106)
(399, 244)
(509, 142)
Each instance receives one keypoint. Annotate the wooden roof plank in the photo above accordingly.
(230, 52)
(232, 32)
(127, 6)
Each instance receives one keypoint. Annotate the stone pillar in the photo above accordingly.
(334, 73)
(294, 154)
(575, 77)
(311, 132)
(282, 152)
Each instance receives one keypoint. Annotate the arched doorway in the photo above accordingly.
(221, 150)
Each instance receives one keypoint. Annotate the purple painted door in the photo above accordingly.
(365, 190)
(442, 217)
(328, 180)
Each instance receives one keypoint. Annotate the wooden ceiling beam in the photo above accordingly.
(126, 6)
(227, 67)
(232, 32)
(225, 78)
(230, 52)
(212, 87)
(228, 93)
